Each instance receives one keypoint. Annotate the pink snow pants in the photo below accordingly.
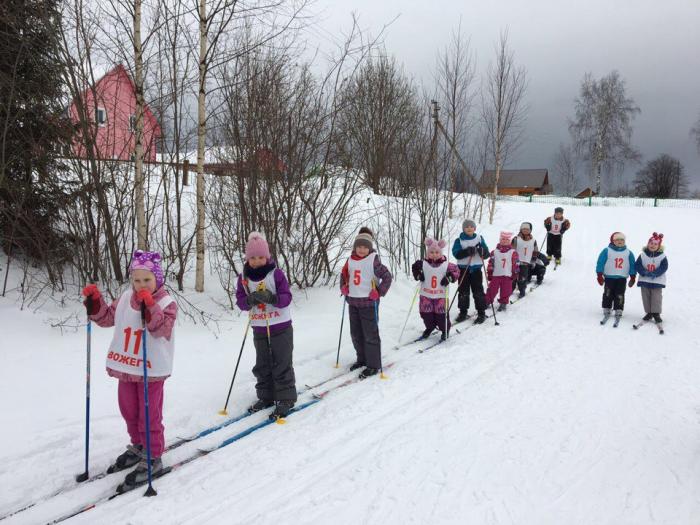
(502, 283)
(132, 409)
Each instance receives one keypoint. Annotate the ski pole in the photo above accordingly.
(85, 475)
(376, 321)
(410, 309)
(340, 337)
(224, 412)
(459, 285)
(447, 311)
(150, 491)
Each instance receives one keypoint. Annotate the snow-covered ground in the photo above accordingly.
(548, 418)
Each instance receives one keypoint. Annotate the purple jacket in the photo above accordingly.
(452, 269)
(382, 274)
(284, 294)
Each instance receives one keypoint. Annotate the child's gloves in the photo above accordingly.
(144, 296)
(601, 279)
(633, 278)
(344, 290)
(264, 296)
(461, 254)
(419, 276)
(92, 298)
(374, 295)
(449, 278)
(470, 250)
(483, 252)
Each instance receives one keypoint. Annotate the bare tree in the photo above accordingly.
(602, 126)
(565, 176)
(662, 178)
(695, 132)
(503, 110)
(456, 71)
(378, 106)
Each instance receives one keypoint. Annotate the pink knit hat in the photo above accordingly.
(150, 261)
(433, 246)
(505, 238)
(257, 246)
(656, 238)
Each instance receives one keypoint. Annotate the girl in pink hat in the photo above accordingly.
(651, 265)
(124, 362)
(435, 275)
(503, 269)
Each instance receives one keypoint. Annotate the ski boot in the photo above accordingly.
(282, 409)
(368, 372)
(647, 317)
(462, 316)
(480, 318)
(356, 365)
(426, 333)
(521, 294)
(618, 316)
(657, 318)
(501, 308)
(443, 336)
(133, 454)
(139, 475)
(260, 404)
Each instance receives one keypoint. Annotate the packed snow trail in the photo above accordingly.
(548, 418)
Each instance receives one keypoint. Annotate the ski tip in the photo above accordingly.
(223, 412)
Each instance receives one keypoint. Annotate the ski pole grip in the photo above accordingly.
(88, 304)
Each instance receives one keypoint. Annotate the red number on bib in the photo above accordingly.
(555, 227)
(504, 262)
(137, 341)
(651, 267)
(433, 282)
(618, 262)
(357, 277)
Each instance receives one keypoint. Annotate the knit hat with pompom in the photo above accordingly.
(257, 246)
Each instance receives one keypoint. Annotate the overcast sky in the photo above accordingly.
(654, 44)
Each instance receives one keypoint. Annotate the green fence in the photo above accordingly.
(629, 202)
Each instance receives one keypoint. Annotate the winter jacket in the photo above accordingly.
(382, 276)
(482, 249)
(159, 323)
(515, 261)
(565, 226)
(661, 270)
(437, 302)
(603, 258)
(283, 293)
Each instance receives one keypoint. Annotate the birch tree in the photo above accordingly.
(602, 126)
(503, 110)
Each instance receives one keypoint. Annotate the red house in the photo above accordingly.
(115, 118)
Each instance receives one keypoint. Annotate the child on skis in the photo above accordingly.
(364, 279)
(263, 291)
(526, 246)
(435, 275)
(651, 266)
(556, 226)
(503, 267)
(124, 363)
(471, 251)
(615, 264)
(538, 267)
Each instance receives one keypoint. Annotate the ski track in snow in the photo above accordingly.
(547, 419)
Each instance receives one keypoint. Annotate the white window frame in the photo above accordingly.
(103, 121)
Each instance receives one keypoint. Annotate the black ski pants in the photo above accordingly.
(273, 366)
(554, 245)
(614, 293)
(474, 281)
(364, 331)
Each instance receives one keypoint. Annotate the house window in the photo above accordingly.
(101, 116)
(132, 123)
